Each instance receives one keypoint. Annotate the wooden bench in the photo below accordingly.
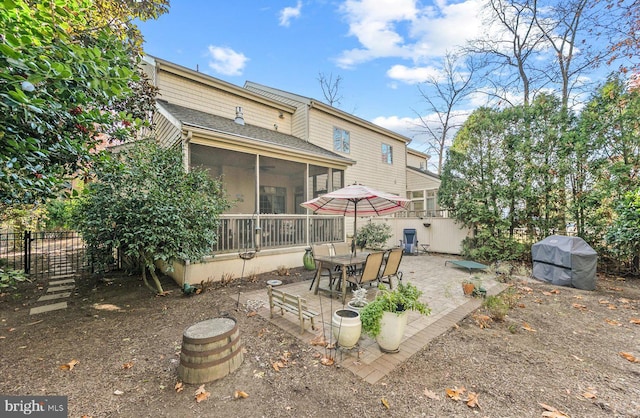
(291, 303)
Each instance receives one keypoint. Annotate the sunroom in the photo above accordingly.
(266, 174)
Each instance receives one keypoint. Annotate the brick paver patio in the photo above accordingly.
(442, 291)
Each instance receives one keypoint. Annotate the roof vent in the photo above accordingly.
(239, 117)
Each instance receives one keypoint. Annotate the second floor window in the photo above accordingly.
(387, 154)
(341, 142)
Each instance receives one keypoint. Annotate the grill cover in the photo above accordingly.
(565, 261)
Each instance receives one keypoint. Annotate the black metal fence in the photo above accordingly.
(43, 253)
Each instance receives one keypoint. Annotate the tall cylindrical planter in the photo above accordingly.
(307, 260)
(347, 327)
(392, 326)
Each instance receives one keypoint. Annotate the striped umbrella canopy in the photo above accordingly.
(358, 200)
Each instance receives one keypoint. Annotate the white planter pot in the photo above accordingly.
(392, 326)
(347, 327)
(354, 308)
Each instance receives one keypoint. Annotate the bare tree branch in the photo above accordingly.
(443, 94)
(330, 88)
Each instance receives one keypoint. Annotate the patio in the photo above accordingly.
(442, 292)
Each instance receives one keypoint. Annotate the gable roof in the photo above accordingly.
(219, 124)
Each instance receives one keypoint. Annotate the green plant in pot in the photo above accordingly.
(385, 317)
(359, 299)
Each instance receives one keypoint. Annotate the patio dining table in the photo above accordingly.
(344, 261)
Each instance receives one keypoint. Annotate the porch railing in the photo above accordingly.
(435, 213)
(240, 233)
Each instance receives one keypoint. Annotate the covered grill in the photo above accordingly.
(565, 261)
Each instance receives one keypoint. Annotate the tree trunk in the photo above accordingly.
(145, 263)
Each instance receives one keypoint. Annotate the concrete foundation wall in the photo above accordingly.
(232, 266)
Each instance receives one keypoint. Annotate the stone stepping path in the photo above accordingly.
(48, 308)
(60, 288)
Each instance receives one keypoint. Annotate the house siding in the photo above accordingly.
(300, 126)
(149, 70)
(366, 148)
(165, 131)
(417, 181)
(199, 96)
(416, 159)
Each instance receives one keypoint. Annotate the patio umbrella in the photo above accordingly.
(358, 200)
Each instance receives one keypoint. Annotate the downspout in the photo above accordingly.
(186, 157)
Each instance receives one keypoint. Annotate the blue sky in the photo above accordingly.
(380, 48)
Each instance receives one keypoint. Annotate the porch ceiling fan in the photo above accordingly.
(267, 167)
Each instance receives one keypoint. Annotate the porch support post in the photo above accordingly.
(257, 234)
(306, 194)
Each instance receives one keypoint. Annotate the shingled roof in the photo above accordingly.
(426, 172)
(203, 120)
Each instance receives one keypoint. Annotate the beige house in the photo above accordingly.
(422, 186)
(273, 150)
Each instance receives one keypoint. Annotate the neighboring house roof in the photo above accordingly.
(418, 153)
(425, 172)
(296, 100)
(214, 123)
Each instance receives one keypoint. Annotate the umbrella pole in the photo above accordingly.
(355, 221)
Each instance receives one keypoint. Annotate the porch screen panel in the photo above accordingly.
(337, 179)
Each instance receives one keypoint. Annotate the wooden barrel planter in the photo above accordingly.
(211, 350)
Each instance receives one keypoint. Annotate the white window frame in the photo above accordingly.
(387, 154)
(341, 140)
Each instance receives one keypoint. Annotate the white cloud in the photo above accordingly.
(414, 128)
(414, 75)
(373, 22)
(403, 29)
(289, 13)
(226, 61)
(403, 126)
(445, 27)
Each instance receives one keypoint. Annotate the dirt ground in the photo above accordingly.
(557, 348)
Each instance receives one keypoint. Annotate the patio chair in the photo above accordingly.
(370, 272)
(322, 249)
(391, 267)
(342, 248)
(409, 241)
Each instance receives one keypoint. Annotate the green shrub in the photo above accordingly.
(145, 204)
(497, 307)
(59, 214)
(373, 235)
(488, 248)
(510, 297)
(9, 279)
